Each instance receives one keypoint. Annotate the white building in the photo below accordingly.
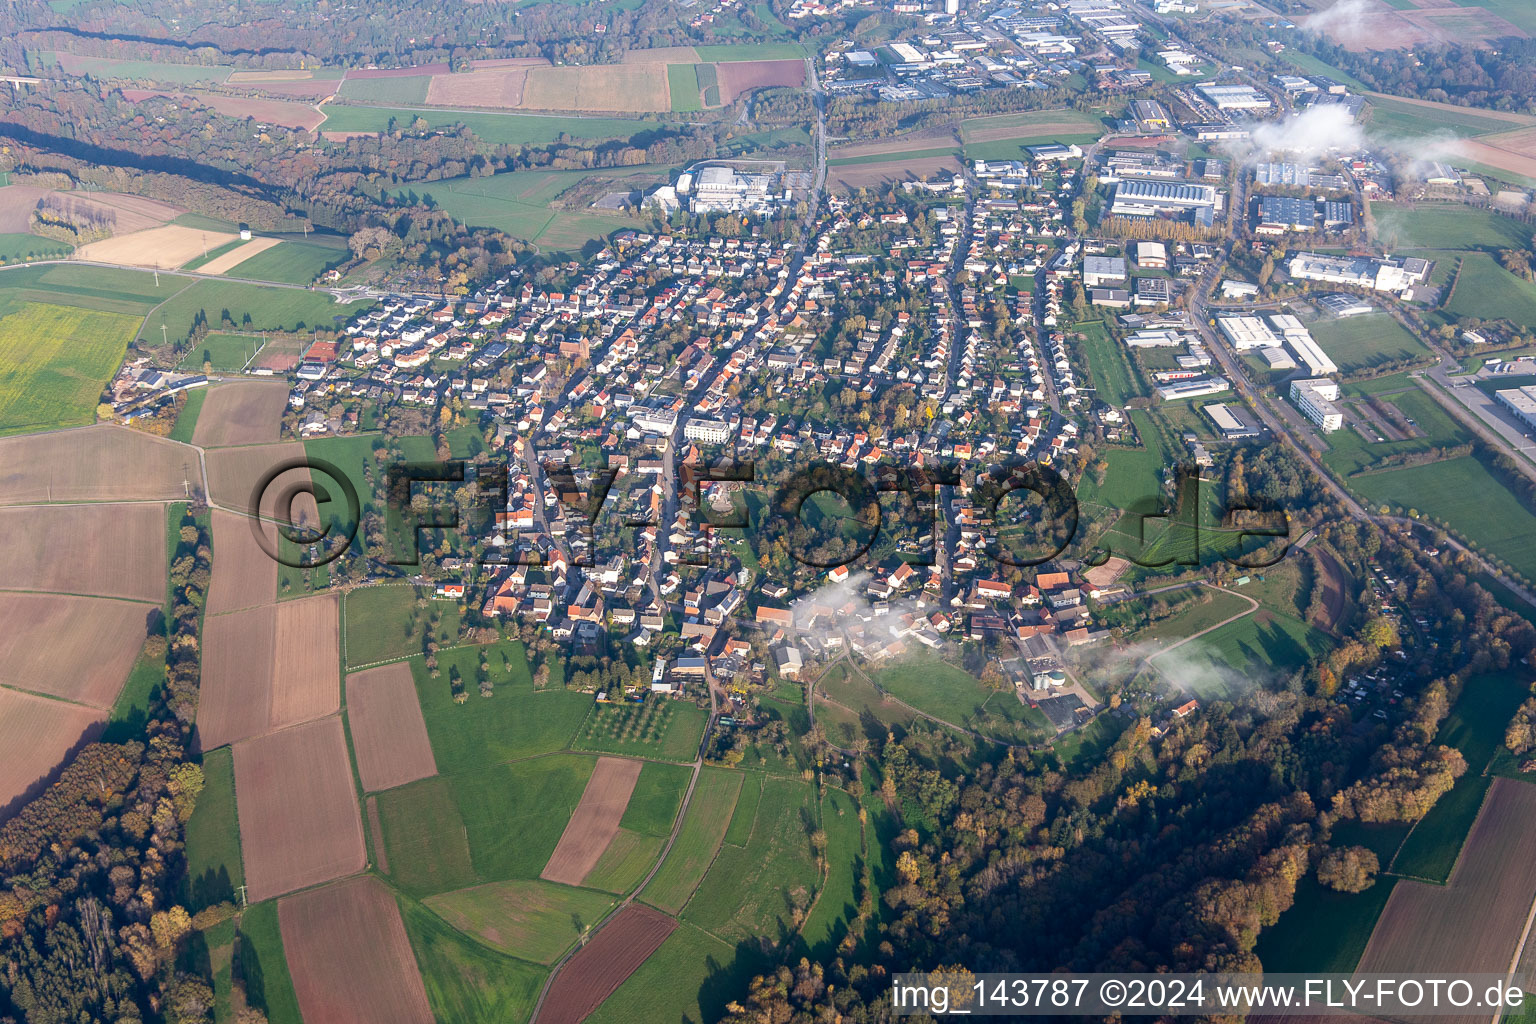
(707, 431)
(1136, 197)
(1101, 270)
(1234, 97)
(1316, 397)
(1302, 343)
(1521, 402)
(1384, 275)
(1246, 332)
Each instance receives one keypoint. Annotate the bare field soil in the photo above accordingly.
(389, 735)
(268, 667)
(289, 113)
(232, 259)
(739, 78)
(479, 89)
(284, 75)
(16, 205)
(77, 648)
(604, 964)
(1377, 26)
(38, 735)
(236, 692)
(244, 574)
(99, 550)
(349, 956)
(931, 138)
(312, 89)
(617, 87)
(299, 820)
(1499, 157)
(162, 248)
(235, 473)
(104, 462)
(1066, 125)
(241, 412)
(306, 668)
(853, 176)
(594, 822)
(1473, 923)
(134, 213)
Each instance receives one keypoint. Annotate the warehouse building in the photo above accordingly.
(1316, 398)
(1139, 198)
(1521, 402)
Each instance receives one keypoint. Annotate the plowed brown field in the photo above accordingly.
(594, 822)
(349, 956)
(102, 550)
(602, 965)
(97, 463)
(244, 574)
(389, 735)
(299, 819)
(77, 648)
(243, 412)
(234, 474)
(38, 734)
(740, 77)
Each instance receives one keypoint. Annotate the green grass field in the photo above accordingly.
(1488, 291)
(656, 798)
(683, 83)
(497, 129)
(891, 158)
(131, 708)
(517, 202)
(516, 721)
(212, 254)
(1467, 497)
(1396, 119)
(532, 920)
(1475, 727)
(224, 353)
(1350, 453)
(853, 691)
(214, 868)
(264, 966)
(1228, 659)
(466, 981)
(108, 289)
(714, 801)
(1034, 125)
(1323, 930)
(490, 825)
(289, 263)
(57, 360)
(662, 728)
(252, 307)
(1517, 12)
(393, 621)
(745, 815)
(20, 248)
(1112, 374)
(955, 696)
(1448, 227)
(837, 905)
(626, 861)
(749, 892)
(403, 89)
(1360, 342)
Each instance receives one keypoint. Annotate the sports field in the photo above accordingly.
(57, 359)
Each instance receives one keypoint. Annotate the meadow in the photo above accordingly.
(21, 248)
(214, 870)
(450, 832)
(532, 920)
(1229, 658)
(1360, 342)
(251, 307)
(749, 892)
(683, 84)
(57, 359)
(1464, 495)
(837, 903)
(1435, 226)
(515, 721)
(268, 985)
(1395, 119)
(663, 728)
(465, 980)
(385, 622)
(1475, 727)
(711, 809)
(108, 289)
(1323, 930)
(497, 129)
(290, 263)
(398, 89)
(1349, 453)
(1107, 362)
(1487, 291)
(955, 696)
(654, 802)
(689, 977)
